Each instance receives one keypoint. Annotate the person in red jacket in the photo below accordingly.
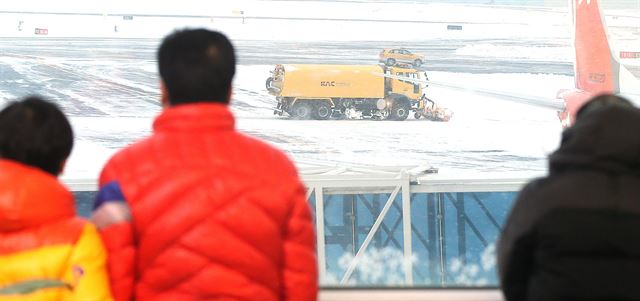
(199, 211)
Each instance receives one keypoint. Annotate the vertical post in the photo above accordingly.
(432, 238)
(375, 205)
(354, 227)
(406, 227)
(462, 224)
(320, 244)
(441, 239)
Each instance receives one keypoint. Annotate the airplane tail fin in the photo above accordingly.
(596, 68)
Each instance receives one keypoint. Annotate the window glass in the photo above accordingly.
(96, 59)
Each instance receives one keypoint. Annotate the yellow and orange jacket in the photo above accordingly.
(46, 252)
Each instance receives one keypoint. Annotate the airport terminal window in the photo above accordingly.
(97, 61)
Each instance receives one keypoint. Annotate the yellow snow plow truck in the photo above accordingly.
(346, 91)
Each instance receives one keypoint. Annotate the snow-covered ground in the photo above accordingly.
(485, 135)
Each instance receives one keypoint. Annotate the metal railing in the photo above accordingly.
(438, 225)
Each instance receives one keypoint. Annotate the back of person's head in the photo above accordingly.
(602, 136)
(600, 102)
(196, 65)
(36, 133)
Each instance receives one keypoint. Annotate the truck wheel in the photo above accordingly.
(322, 111)
(268, 83)
(417, 115)
(417, 63)
(391, 62)
(399, 110)
(301, 110)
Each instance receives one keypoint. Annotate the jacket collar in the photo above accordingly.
(203, 116)
(30, 197)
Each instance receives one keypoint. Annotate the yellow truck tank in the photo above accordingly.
(330, 81)
(345, 91)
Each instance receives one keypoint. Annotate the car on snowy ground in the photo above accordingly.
(393, 56)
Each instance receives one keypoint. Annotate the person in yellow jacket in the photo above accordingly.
(46, 251)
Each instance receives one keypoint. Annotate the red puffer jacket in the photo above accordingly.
(47, 253)
(215, 215)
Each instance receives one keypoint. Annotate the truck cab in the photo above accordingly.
(411, 90)
(403, 92)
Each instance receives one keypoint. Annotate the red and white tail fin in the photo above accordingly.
(597, 71)
(596, 68)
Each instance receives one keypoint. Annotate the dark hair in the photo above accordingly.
(196, 65)
(36, 133)
(601, 101)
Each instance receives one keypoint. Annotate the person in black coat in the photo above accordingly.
(575, 234)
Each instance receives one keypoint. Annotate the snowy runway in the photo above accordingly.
(110, 93)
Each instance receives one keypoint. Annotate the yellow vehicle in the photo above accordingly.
(345, 91)
(394, 56)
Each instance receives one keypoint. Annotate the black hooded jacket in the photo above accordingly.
(575, 234)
